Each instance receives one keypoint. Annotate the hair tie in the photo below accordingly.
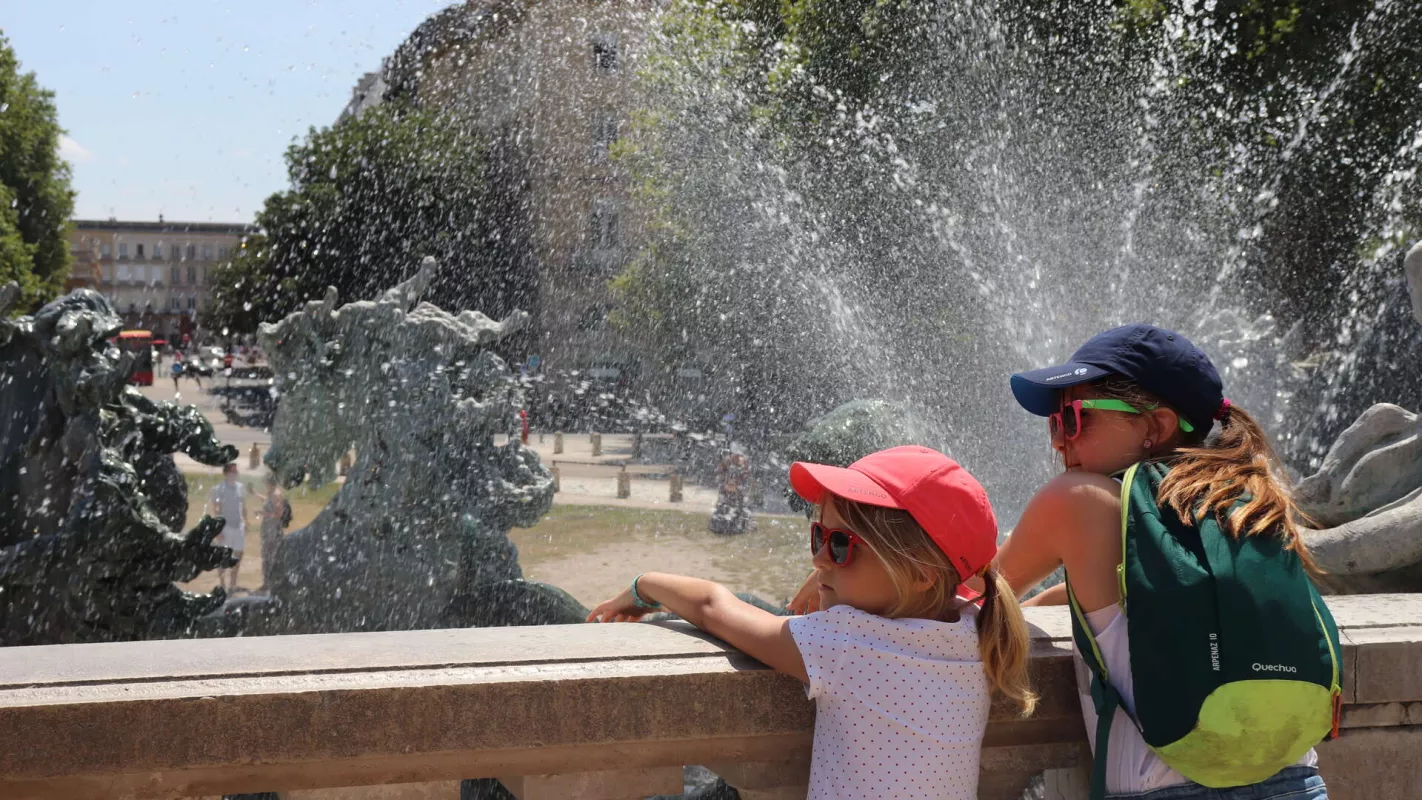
(1224, 410)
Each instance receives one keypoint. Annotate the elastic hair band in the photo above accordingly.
(1224, 410)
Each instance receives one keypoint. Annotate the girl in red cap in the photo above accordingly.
(900, 669)
(1210, 663)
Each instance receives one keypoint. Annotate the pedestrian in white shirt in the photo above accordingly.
(229, 502)
(900, 668)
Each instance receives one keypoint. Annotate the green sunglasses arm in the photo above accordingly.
(1122, 405)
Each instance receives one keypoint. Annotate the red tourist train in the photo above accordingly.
(141, 344)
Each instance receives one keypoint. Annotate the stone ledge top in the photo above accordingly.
(1364, 617)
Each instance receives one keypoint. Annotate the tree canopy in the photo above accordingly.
(36, 200)
(370, 196)
(951, 187)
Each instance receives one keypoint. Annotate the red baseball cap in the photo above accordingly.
(947, 502)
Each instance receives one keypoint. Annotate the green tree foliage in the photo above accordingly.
(750, 98)
(822, 174)
(35, 198)
(1324, 95)
(370, 197)
(246, 291)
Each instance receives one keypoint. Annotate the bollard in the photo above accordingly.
(675, 487)
(254, 457)
(597, 444)
(558, 443)
(624, 485)
(542, 436)
(557, 478)
(637, 446)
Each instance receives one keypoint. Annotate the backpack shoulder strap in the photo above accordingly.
(1104, 696)
(1128, 483)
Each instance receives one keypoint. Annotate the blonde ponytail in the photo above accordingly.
(1004, 642)
(1237, 467)
(1233, 474)
(908, 554)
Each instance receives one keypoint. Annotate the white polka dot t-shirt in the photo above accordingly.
(900, 704)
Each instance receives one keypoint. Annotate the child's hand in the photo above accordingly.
(807, 600)
(621, 608)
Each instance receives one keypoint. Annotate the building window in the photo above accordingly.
(593, 318)
(158, 251)
(176, 303)
(123, 249)
(604, 50)
(604, 134)
(108, 273)
(175, 253)
(133, 308)
(192, 275)
(106, 250)
(192, 302)
(125, 272)
(207, 252)
(140, 250)
(175, 275)
(192, 252)
(604, 225)
(221, 252)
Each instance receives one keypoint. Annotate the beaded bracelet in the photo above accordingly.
(637, 598)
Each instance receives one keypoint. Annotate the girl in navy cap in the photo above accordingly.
(1144, 395)
(901, 671)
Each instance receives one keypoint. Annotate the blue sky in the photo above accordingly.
(184, 107)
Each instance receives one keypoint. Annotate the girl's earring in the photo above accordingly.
(1147, 443)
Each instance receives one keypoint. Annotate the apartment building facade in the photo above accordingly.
(551, 83)
(156, 274)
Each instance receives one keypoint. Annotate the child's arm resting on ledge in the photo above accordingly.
(1051, 596)
(714, 609)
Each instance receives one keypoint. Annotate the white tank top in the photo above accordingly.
(1131, 766)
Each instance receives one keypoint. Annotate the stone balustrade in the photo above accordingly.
(592, 711)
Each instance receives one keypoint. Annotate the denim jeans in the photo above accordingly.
(1291, 783)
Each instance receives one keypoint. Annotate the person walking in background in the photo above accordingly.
(227, 501)
(275, 515)
(900, 669)
(732, 513)
(177, 370)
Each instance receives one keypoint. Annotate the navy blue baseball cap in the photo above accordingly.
(1162, 362)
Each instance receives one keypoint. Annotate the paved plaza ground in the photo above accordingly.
(592, 542)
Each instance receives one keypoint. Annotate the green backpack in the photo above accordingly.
(1235, 658)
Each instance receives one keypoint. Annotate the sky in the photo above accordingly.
(185, 107)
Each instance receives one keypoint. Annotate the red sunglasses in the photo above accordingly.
(841, 543)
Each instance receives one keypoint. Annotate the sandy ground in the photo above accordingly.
(592, 553)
